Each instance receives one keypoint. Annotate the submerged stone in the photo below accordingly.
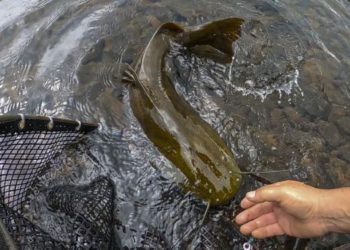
(344, 124)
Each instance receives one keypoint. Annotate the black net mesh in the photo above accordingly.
(154, 239)
(23, 156)
(87, 211)
(27, 145)
(25, 234)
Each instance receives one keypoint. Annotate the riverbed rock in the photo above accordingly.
(337, 111)
(344, 124)
(315, 104)
(296, 120)
(335, 92)
(154, 21)
(303, 140)
(269, 139)
(311, 72)
(339, 171)
(311, 162)
(330, 133)
(277, 118)
(343, 152)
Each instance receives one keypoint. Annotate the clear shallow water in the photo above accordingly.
(282, 104)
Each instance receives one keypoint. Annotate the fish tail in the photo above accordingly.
(218, 34)
(172, 27)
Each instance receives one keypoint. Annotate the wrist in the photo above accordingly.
(335, 210)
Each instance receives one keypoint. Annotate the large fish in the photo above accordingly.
(169, 121)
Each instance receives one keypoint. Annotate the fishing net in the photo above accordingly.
(27, 145)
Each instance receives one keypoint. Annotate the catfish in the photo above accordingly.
(180, 134)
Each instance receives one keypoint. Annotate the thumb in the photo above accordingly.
(267, 193)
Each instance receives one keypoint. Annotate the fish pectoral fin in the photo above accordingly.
(129, 75)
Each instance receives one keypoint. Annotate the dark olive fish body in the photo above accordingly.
(172, 125)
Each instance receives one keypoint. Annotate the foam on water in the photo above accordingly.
(262, 93)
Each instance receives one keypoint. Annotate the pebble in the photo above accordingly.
(277, 117)
(343, 152)
(344, 124)
(250, 83)
(337, 111)
(330, 133)
(339, 171)
(315, 104)
(154, 21)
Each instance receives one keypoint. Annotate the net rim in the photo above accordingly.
(24, 123)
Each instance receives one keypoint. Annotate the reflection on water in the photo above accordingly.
(283, 103)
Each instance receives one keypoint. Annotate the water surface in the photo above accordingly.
(283, 103)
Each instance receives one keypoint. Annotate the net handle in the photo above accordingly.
(23, 123)
(7, 238)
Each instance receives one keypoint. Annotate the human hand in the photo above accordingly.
(295, 209)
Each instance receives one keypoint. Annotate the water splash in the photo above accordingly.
(287, 87)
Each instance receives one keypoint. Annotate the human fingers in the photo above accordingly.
(268, 231)
(272, 193)
(254, 212)
(245, 203)
(262, 221)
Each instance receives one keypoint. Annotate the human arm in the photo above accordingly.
(295, 209)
